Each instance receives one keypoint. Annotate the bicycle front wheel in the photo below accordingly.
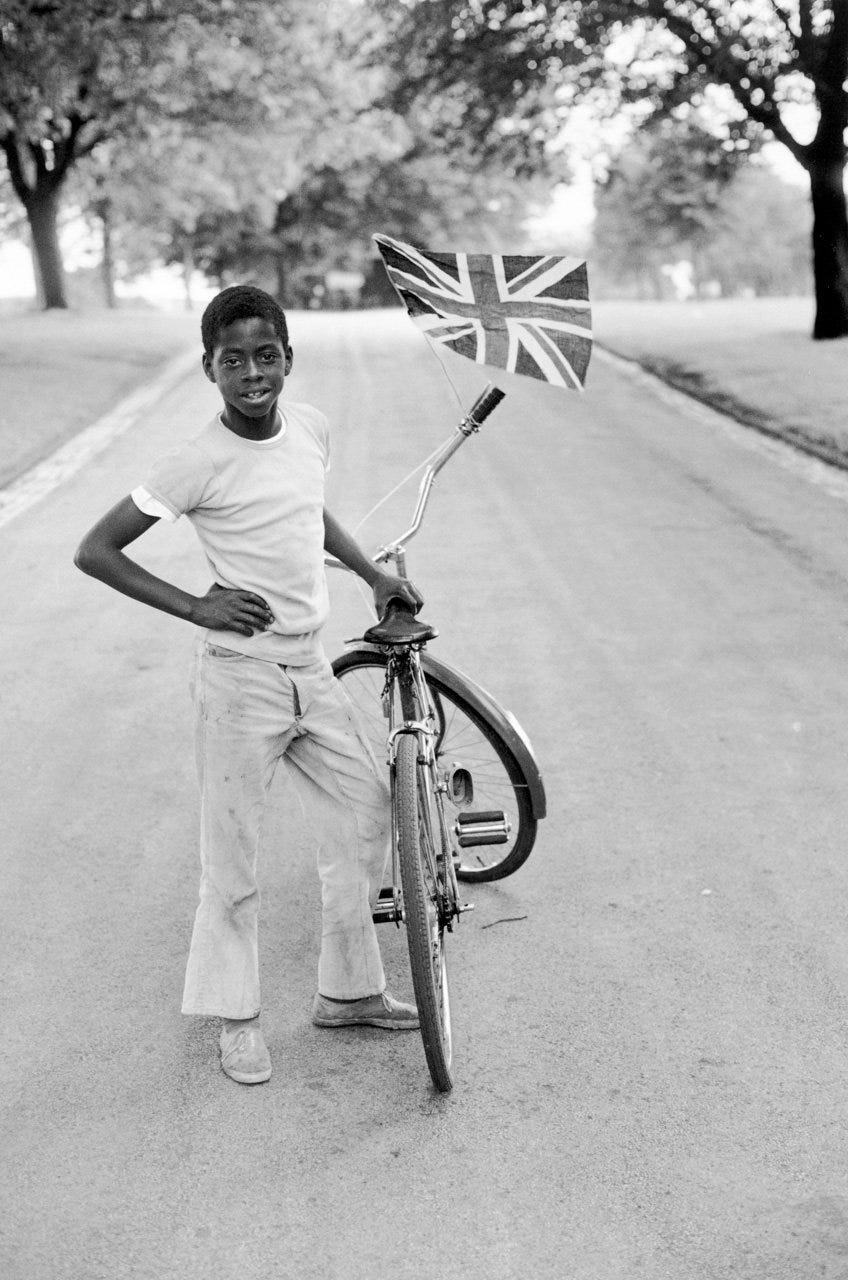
(420, 877)
(466, 740)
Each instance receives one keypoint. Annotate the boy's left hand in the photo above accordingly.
(390, 587)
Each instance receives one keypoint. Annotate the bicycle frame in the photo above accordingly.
(518, 799)
(425, 869)
(405, 697)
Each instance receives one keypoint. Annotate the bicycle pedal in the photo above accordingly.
(488, 826)
(386, 910)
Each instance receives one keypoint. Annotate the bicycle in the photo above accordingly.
(447, 740)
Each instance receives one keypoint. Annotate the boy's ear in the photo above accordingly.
(206, 361)
(289, 360)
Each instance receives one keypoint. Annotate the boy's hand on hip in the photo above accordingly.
(229, 609)
(390, 587)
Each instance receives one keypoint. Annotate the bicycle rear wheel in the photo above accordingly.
(465, 739)
(420, 878)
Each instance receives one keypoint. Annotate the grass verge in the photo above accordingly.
(753, 359)
(61, 370)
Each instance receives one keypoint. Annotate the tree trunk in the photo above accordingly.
(39, 292)
(830, 247)
(188, 271)
(107, 264)
(43, 213)
(282, 274)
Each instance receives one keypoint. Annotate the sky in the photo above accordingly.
(16, 276)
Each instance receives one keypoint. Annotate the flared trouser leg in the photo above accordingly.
(336, 774)
(243, 722)
(249, 715)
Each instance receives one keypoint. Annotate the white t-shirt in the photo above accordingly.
(258, 510)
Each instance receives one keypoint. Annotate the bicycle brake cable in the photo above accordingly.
(410, 475)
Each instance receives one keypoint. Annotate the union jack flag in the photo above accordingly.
(529, 315)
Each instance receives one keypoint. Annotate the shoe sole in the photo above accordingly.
(241, 1077)
(384, 1024)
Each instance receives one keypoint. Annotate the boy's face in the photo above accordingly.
(249, 366)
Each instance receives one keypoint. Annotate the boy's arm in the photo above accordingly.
(386, 586)
(100, 554)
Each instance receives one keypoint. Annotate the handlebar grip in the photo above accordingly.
(483, 406)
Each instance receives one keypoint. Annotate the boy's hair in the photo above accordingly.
(241, 302)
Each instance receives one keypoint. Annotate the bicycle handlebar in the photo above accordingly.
(478, 413)
(473, 420)
(483, 406)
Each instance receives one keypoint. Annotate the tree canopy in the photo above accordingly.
(507, 72)
(248, 138)
(674, 198)
(76, 75)
(272, 137)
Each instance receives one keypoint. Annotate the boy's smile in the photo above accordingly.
(249, 366)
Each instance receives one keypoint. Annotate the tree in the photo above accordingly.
(507, 71)
(164, 196)
(233, 136)
(760, 242)
(283, 205)
(75, 74)
(420, 195)
(661, 202)
(749, 235)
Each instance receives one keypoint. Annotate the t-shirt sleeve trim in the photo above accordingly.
(155, 507)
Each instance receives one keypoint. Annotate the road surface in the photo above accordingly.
(652, 1051)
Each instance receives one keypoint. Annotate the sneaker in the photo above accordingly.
(244, 1055)
(380, 1010)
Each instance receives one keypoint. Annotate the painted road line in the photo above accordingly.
(40, 480)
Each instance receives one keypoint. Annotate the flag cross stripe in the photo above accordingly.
(529, 315)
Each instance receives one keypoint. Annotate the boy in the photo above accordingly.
(252, 484)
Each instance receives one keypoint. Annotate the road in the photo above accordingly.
(652, 1061)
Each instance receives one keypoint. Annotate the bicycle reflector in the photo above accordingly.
(487, 826)
(460, 785)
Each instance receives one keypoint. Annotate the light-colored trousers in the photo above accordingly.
(250, 714)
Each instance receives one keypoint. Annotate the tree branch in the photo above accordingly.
(799, 42)
(729, 71)
(15, 166)
(93, 140)
(835, 64)
(66, 151)
(805, 19)
(39, 159)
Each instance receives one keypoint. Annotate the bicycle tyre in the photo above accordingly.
(499, 780)
(424, 932)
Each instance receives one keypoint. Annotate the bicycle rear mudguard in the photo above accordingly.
(503, 721)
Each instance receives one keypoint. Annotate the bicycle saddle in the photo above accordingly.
(399, 625)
